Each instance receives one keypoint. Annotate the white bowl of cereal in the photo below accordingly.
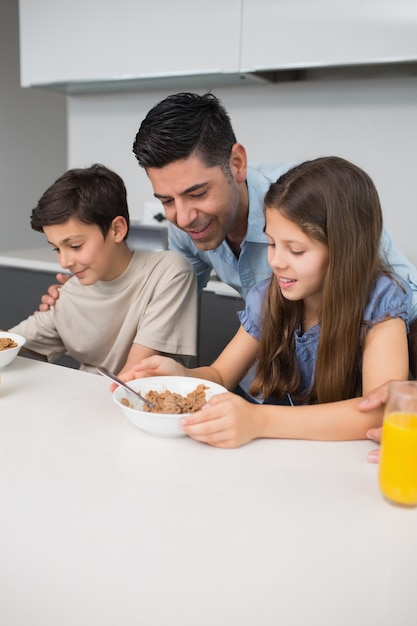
(174, 397)
(10, 344)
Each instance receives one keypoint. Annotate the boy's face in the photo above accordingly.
(83, 250)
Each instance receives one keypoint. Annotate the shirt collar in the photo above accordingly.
(258, 185)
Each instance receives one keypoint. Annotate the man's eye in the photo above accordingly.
(77, 247)
(166, 202)
(198, 195)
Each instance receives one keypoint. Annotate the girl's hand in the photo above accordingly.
(153, 366)
(227, 421)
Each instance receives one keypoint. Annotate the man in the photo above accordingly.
(213, 200)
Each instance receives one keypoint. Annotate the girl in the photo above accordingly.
(328, 327)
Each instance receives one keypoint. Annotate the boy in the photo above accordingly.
(120, 305)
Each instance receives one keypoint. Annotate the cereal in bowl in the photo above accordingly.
(168, 402)
(7, 342)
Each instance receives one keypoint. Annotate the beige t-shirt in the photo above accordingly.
(153, 303)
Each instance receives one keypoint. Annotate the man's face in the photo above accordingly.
(202, 201)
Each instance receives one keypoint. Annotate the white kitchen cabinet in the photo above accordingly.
(292, 34)
(84, 45)
(84, 42)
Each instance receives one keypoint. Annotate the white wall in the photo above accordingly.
(371, 121)
(32, 140)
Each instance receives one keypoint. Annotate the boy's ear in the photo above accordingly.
(119, 228)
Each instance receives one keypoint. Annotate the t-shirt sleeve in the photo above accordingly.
(391, 298)
(41, 335)
(169, 324)
(251, 317)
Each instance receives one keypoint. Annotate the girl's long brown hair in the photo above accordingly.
(336, 203)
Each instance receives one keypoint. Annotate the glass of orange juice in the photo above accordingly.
(398, 454)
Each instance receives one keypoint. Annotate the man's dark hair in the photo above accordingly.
(94, 195)
(185, 124)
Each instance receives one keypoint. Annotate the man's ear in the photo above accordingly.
(119, 228)
(238, 162)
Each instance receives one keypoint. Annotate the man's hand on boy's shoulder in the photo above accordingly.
(49, 299)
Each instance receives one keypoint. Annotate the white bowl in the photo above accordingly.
(161, 424)
(9, 354)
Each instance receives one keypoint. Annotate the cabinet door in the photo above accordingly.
(76, 41)
(280, 34)
(218, 323)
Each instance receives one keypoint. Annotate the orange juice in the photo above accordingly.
(398, 458)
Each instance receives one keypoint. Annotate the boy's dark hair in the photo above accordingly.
(93, 195)
(184, 124)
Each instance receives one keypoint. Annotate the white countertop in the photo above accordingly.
(102, 524)
(44, 259)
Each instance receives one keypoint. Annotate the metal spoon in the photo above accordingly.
(115, 379)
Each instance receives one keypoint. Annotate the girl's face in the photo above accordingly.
(298, 262)
(83, 250)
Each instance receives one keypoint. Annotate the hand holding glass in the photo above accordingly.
(398, 455)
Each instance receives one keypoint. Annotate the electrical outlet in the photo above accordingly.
(150, 210)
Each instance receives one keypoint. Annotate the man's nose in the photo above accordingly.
(184, 214)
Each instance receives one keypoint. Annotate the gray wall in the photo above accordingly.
(367, 117)
(33, 144)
